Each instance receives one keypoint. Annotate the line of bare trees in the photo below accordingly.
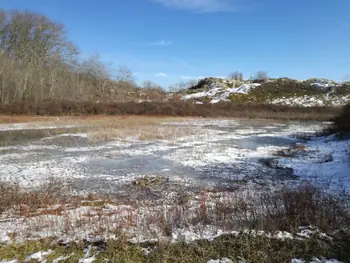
(258, 76)
(38, 62)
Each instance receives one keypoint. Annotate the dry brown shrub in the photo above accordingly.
(180, 109)
(303, 206)
(15, 197)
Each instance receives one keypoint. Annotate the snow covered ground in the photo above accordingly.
(310, 101)
(218, 93)
(220, 154)
(218, 151)
(31, 126)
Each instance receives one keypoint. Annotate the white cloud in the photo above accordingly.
(163, 43)
(161, 75)
(201, 5)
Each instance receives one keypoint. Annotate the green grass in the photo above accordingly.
(23, 250)
(278, 89)
(253, 249)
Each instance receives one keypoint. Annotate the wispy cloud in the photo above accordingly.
(202, 5)
(161, 75)
(163, 43)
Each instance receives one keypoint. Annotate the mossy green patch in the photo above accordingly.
(259, 249)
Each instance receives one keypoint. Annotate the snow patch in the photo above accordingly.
(32, 126)
(61, 258)
(326, 163)
(39, 256)
(223, 260)
(311, 101)
(87, 260)
(315, 260)
(218, 93)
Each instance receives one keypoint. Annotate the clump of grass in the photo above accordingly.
(27, 201)
(302, 206)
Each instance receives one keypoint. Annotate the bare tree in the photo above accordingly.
(97, 74)
(261, 75)
(33, 39)
(151, 86)
(238, 76)
(37, 62)
(38, 45)
(124, 74)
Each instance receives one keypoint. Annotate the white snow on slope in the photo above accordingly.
(323, 83)
(310, 101)
(218, 93)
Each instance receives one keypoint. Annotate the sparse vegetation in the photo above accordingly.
(28, 201)
(278, 89)
(304, 206)
(284, 210)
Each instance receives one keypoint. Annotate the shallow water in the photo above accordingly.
(222, 153)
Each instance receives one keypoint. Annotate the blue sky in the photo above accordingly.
(168, 41)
